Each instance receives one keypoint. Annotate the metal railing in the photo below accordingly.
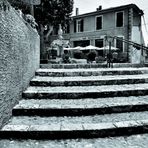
(134, 44)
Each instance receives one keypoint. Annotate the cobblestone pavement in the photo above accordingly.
(135, 141)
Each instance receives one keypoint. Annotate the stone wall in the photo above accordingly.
(19, 58)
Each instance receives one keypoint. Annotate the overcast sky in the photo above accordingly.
(91, 5)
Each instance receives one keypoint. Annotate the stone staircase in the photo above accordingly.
(71, 101)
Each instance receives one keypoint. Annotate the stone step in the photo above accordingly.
(85, 65)
(77, 92)
(76, 127)
(90, 71)
(71, 66)
(132, 141)
(89, 81)
(80, 107)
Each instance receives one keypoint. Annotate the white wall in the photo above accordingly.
(136, 37)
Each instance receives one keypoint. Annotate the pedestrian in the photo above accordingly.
(66, 57)
(109, 60)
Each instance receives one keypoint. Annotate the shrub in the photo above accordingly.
(91, 56)
(122, 57)
(77, 54)
(99, 59)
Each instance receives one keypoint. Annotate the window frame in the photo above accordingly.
(116, 19)
(121, 36)
(100, 39)
(79, 25)
(96, 22)
(67, 29)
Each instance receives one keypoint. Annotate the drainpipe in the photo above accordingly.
(109, 53)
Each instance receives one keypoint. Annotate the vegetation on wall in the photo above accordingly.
(49, 14)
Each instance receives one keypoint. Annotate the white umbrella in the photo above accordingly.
(107, 48)
(91, 47)
(79, 47)
(74, 48)
(69, 48)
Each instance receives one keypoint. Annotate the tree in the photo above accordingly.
(20, 4)
(48, 14)
(51, 13)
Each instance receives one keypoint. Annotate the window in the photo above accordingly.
(119, 19)
(78, 25)
(67, 29)
(82, 43)
(99, 43)
(98, 22)
(119, 43)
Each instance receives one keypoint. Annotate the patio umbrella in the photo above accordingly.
(69, 48)
(74, 48)
(107, 48)
(79, 47)
(90, 47)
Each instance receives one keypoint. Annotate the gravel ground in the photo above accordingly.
(135, 141)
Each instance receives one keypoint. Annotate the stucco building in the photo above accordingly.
(91, 28)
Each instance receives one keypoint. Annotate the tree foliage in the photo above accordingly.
(20, 4)
(54, 12)
(51, 12)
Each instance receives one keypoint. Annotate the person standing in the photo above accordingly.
(109, 60)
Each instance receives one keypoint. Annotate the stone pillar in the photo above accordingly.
(130, 24)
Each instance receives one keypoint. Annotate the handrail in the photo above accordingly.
(136, 45)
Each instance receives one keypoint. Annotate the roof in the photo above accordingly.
(112, 9)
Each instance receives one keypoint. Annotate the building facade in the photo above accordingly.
(91, 28)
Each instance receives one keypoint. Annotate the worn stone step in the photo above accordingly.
(85, 65)
(132, 141)
(77, 92)
(89, 81)
(71, 66)
(76, 127)
(80, 107)
(91, 71)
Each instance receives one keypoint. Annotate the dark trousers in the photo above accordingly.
(109, 63)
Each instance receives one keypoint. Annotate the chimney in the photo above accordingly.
(99, 8)
(77, 11)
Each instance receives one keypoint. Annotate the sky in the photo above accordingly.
(91, 5)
